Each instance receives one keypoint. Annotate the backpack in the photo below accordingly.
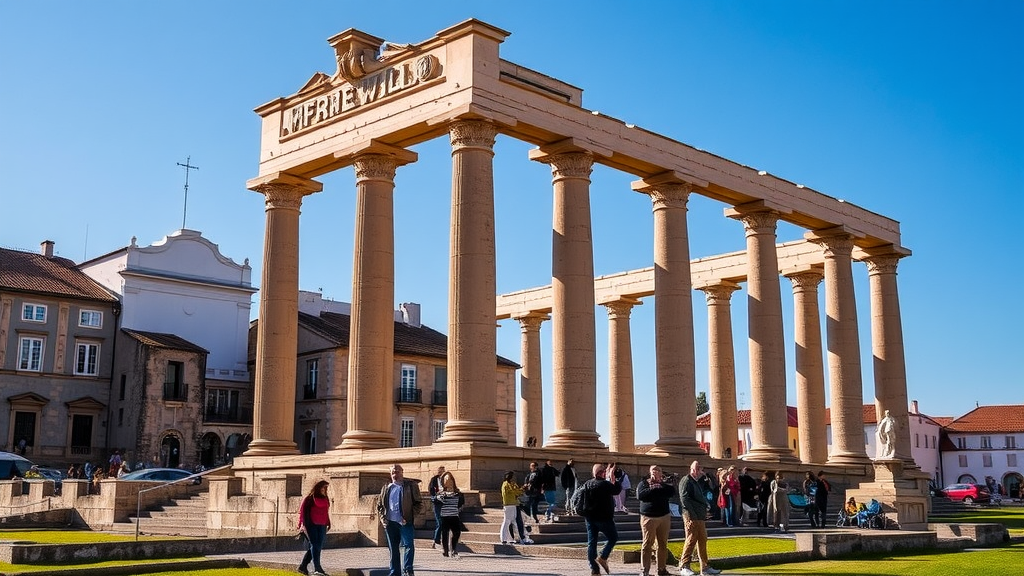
(582, 500)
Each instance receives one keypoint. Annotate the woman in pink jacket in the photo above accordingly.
(314, 522)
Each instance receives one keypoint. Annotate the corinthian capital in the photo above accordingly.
(477, 134)
(882, 264)
(719, 293)
(283, 190)
(375, 167)
(760, 222)
(806, 281)
(670, 195)
(571, 165)
(621, 308)
(834, 245)
(531, 322)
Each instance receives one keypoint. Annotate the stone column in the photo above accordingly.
(472, 341)
(531, 391)
(810, 374)
(673, 316)
(371, 385)
(846, 398)
(722, 370)
(768, 412)
(621, 420)
(887, 348)
(573, 332)
(273, 427)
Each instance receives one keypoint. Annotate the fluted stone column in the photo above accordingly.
(371, 370)
(722, 370)
(621, 419)
(846, 397)
(890, 367)
(531, 390)
(768, 413)
(810, 373)
(472, 342)
(573, 332)
(673, 317)
(273, 427)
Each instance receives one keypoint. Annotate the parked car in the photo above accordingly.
(934, 490)
(159, 475)
(13, 466)
(967, 493)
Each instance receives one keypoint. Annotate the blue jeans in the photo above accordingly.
(400, 535)
(437, 522)
(610, 531)
(316, 535)
(549, 497)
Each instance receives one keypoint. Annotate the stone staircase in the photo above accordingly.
(178, 517)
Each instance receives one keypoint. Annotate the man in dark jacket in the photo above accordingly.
(601, 516)
(549, 480)
(695, 511)
(568, 480)
(654, 493)
(748, 494)
(435, 489)
(821, 496)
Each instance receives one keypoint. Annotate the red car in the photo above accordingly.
(967, 493)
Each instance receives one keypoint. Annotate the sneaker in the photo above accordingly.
(303, 570)
(603, 563)
(709, 571)
(526, 541)
(455, 556)
(319, 573)
(687, 571)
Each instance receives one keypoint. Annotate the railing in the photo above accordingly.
(440, 398)
(409, 395)
(193, 478)
(232, 416)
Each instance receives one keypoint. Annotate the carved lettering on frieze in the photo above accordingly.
(347, 97)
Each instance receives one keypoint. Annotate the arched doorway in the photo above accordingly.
(966, 479)
(170, 451)
(1012, 483)
(210, 450)
(235, 445)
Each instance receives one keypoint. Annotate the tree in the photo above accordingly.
(702, 403)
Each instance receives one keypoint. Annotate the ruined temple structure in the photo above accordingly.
(384, 98)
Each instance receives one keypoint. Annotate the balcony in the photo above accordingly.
(440, 398)
(409, 395)
(175, 392)
(232, 415)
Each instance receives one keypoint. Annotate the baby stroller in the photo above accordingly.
(872, 516)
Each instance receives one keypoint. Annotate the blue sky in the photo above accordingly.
(913, 110)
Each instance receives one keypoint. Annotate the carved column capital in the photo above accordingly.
(763, 222)
(283, 190)
(577, 165)
(375, 167)
(719, 293)
(478, 134)
(806, 281)
(884, 264)
(531, 322)
(834, 245)
(620, 309)
(669, 195)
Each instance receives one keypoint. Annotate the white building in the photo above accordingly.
(987, 441)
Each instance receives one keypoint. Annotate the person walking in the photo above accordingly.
(435, 488)
(533, 487)
(778, 503)
(620, 499)
(568, 480)
(600, 515)
(695, 510)
(810, 489)
(549, 480)
(452, 501)
(725, 497)
(764, 493)
(314, 522)
(510, 493)
(654, 493)
(397, 506)
(821, 497)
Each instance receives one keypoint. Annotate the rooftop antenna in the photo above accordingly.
(187, 166)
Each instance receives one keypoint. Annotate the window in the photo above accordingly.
(90, 318)
(962, 460)
(309, 442)
(222, 405)
(25, 427)
(986, 460)
(440, 386)
(81, 434)
(124, 381)
(1011, 460)
(30, 353)
(408, 425)
(986, 442)
(408, 377)
(439, 428)
(86, 354)
(917, 441)
(33, 313)
(925, 440)
(961, 443)
(934, 443)
(174, 382)
(312, 378)
(1011, 441)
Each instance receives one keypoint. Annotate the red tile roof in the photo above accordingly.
(867, 414)
(743, 418)
(163, 340)
(34, 273)
(990, 419)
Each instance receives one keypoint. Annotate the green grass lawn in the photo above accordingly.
(71, 536)
(739, 546)
(46, 568)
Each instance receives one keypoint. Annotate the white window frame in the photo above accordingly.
(961, 443)
(986, 442)
(962, 460)
(439, 428)
(30, 311)
(26, 361)
(408, 377)
(85, 348)
(407, 433)
(90, 319)
(1011, 442)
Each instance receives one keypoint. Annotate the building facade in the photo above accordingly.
(986, 442)
(57, 330)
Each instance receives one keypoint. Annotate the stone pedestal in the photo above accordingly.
(902, 493)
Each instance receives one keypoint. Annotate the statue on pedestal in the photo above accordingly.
(887, 437)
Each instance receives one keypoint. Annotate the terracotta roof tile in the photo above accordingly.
(162, 340)
(990, 419)
(421, 341)
(743, 418)
(34, 273)
(867, 414)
